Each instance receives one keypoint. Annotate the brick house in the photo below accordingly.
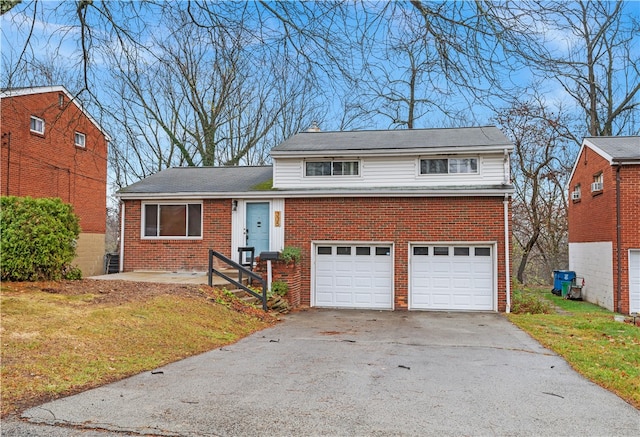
(51, 147)
(604, 221)
(404, 219)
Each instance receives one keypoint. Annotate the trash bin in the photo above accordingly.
(560, 277)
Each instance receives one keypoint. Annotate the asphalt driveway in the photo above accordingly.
(341, 372)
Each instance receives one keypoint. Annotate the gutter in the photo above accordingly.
(283, 194)
(507, 270)
(121, 266)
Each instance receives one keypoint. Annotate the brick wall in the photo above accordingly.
(593, 217)
(50, 165)
(286, 272)
(397, 220)
(177, 255)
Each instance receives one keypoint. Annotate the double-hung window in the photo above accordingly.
(36, 125)
(332, 168)
(449, 165)
(172, 220)
(80, 140)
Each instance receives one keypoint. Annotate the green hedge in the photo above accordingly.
(38, 238)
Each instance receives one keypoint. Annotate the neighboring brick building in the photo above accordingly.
(604, 221)
(406, 219)
(51, 147)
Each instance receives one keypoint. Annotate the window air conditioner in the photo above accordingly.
(596, 186)
(575, 195)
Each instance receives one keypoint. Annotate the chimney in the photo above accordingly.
(314, 127)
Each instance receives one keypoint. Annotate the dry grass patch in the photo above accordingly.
(70, 338)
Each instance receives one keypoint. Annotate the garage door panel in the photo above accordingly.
(451, 277)
(351, 276)
(634, 281)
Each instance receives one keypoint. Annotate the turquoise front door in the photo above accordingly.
(257, 227)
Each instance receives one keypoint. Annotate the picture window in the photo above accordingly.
(173, 220)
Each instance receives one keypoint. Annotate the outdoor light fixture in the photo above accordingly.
(234, 205)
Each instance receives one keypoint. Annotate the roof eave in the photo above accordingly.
(498, 148)
(269, 194)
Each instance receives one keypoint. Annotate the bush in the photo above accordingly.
(528, 302)
(280, 288)
(291, 254)
(38, 238)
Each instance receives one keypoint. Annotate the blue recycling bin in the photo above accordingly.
(560, 277)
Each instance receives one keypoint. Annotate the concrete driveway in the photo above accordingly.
(360, 373)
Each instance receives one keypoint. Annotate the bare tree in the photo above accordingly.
(542, 162)
(590, 49)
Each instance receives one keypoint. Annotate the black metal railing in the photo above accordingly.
(241, 272)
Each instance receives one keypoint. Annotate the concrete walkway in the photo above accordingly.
(162, 277)
(356, 373)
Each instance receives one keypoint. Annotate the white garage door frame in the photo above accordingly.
(471, 244)
(634, 280)
(333, 243)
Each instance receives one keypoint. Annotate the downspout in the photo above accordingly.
(507, 261)
(618, 242)
(121, 260)
(506, 253)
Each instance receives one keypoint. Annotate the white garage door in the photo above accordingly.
(634, 281)
(353, 276)
(448, 277)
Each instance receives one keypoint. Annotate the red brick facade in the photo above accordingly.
(593, 217)
(396, 220)
(50, 165)
(176, 254)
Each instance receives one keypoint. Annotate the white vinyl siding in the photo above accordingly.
(403, 171)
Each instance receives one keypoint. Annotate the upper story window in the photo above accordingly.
(332, 168)
(36, 125)
(598, 183)
(576, 194)
(448, 165)
(80, 140)
(174, 220)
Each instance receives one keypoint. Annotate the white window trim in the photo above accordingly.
(84, 140)
(353, 176)
(160, 237)
(447, 174)
(33, 117)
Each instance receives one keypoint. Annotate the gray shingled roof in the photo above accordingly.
(393, 139)
(619, 148)
(201, 180)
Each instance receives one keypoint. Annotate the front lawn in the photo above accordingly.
(603, 350)
(59, 338)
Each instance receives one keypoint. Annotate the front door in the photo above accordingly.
(257, 227)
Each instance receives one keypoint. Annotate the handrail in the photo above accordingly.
(241, 271)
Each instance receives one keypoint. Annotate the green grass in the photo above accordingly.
(603, 350)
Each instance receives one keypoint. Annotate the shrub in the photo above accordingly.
(38, 238)
(280, 288)
(528, 302)
(291, 254)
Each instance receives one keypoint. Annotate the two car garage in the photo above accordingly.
(441, 276)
